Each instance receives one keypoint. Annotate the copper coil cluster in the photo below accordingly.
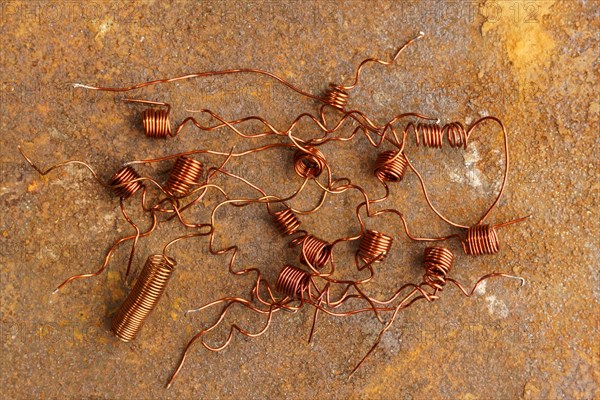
(185, 174)
(156, 122)
(437, 262)
(314, 251)
(390, 166)
(143, 298)
(481, 239)
(292, 282)
(287, 222)
(336, 96)
(311, 164)
(374, 246)
(125, 182)
(432, 135)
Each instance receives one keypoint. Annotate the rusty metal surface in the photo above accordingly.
(531, 63)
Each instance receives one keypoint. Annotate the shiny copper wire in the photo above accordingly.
(143, 298)
(292, 282)
(315, 252)
(125, 182)
(287, 222)
(481, 239)
(156, 122)
(437, 262)
(309, 164)
(390, 166)
(374, 246)
(336, 97)
(185, 174)
(432, 135)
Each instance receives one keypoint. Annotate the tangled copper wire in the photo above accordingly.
(185, 174)
(481, 239)
(310, 163)
(287, 222)
(143, 298)
(326, 291)
(125, 182)
(390, 166)
(374, 246)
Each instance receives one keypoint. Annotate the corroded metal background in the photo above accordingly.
(534, 64)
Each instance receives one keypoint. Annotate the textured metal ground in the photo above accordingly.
(534, 64)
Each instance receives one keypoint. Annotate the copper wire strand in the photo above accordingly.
(336, 96)
(143, 297)
(438, 262)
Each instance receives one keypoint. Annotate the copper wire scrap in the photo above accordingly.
(144, 297)
(185, 174)
(390, 166)
(437, 262)
(287, 222)
(374, 246)
(315, 252)
(481, 239)
(336, 97)
(125, 182)
(432, 135)
(309, 164)
(292, 282)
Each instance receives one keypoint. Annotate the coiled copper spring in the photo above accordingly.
(125, 182)
(144, 297)
(336, 96)
(311, 164)
(374, 246)
(481, 239)
(437, 262)
(287, 222)
(315, 252)
(432, 135)
(390, 166)
(186, 173)
(292, 282)
(156, 122)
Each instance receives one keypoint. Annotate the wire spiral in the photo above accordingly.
(390, 166)
(481, 239)
(125, 182)
(143, 298)
(287, 222)
(432, 135)
(336, 96)
(186, 173)
(438, 262)
(374, 246)
(292, 282)
(311, 164)
(315, 252)
(156, 122)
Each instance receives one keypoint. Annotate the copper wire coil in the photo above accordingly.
(124, 182)
(481, 239)
(143, 298)
(388, 168)
(292, 282)
(438, 262)
(287, 222)
(315, 251)
(336, 97)
(310, 164)
(156, 122)
(432, 135)
(374, 246)
(186, 173)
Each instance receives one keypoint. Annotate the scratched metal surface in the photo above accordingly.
(531, 63)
